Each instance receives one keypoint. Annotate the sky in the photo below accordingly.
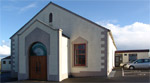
(129, 20)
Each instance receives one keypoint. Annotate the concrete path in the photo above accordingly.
(118, 72)
(112, 74)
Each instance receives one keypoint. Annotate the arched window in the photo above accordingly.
(38, 49)
(50, 17)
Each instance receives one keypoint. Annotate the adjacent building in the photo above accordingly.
(57, 43)
(6, 64)
(124, 56)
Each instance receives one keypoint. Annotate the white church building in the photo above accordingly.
(57, 43)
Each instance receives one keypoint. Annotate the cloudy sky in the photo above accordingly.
(129, 20)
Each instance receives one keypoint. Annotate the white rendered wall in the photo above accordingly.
(111, 55)
(74, 27)
(64, 58)
(142, 55)
(125, 58)
(6, 66)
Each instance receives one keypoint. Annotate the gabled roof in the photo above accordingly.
(140, 50)
(69, 12)
(63, 9)
(8, 57)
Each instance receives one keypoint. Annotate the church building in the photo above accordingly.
(57, 43)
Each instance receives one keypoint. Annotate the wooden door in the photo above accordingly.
(38, 62)
(38, 68)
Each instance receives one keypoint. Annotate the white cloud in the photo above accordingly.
(4, 49)
(18, 9)
(105, 22)
(10, 8)
(134, 36)
(25, 8)
(7, 43)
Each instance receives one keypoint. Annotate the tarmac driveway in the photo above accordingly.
(134, 73)
(130, 76)
(96, 80)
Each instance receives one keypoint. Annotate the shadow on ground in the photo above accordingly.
(6, 77)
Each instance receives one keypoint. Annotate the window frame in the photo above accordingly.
(79, 54)
(4, 62)
(50, 17)
(132, 55)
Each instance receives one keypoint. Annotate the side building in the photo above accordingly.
(6, 64)
(125, 56)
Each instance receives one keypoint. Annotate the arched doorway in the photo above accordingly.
(38, 61)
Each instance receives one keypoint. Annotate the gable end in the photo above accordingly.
(63, 9)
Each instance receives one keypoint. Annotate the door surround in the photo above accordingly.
(39, 32)
(32, 38)
(40, 56)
